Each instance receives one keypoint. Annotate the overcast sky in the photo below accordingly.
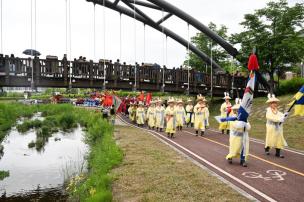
(51, 28)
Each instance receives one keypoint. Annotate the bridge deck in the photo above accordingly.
(52, 72)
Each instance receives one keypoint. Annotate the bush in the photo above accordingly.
(31, 144)
(67, 121)
(290, 86)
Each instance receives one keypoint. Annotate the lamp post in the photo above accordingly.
(211, 73)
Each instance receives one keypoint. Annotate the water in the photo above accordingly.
(36, 174)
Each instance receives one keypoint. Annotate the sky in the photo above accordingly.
(150, 45)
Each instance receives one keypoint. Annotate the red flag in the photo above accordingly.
(253, 63)
(141, 97)
(148, 98)
(108, 101)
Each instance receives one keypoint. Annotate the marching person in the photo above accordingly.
(180, 115)
(189, 113)
(140, 114)
(206, 114)
(132, 111)
(159, 116)
(225, 111)
(239, 139)
(200, 115)
(170, 118)
(274, 127)
(151, 115)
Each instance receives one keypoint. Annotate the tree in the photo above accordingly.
(202, 42)
(275, 32)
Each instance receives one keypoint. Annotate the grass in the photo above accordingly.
(293, 127)
(152, 171)
(3, 174)
(95, 185)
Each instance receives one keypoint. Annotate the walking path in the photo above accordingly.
(267, 178)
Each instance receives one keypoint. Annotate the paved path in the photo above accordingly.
(267, 178)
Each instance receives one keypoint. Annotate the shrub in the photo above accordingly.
(290, 86)
(31, 144)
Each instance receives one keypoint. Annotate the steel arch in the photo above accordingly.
(142, 17)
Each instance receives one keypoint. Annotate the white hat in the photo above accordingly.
(201, 98)
(237, 105)
(171, 99)
(272, 98)
(226, 96)
(179, 101)
(140, 103)
(189, 100)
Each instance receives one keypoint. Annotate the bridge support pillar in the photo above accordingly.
(37, 70)
(91, 73)
(7, 70)
(65, 70)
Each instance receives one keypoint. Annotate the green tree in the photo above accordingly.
(275, 33)
(202, 42)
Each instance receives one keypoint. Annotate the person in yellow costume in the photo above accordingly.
(238, 139)
(132, 112)
(189, 113)
(206, 113)
(225, 111)
(180, 115)
(170, 114)
(151, 113)
(274, 127)
(159, 115)
(200, 115)
(140, 114)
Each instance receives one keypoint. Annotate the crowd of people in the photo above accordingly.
(173, 115)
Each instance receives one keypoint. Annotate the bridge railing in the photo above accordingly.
(59, 69)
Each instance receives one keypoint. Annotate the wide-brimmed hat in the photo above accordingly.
(179, 101)
(189, 100)
(141, 103)
(237, 105)
(226, 96)
(171, 100)
(272, 98)
(201, 98)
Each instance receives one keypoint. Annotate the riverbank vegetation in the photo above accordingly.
(104, 154)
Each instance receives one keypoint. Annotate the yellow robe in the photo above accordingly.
(238, 140)
(170, 119)
(274, 131)
(189, 113)
(199, 117)
(224, 125)
(151, 116)
(180, 116)
(159, 117)
(132, 113)
(140, 115)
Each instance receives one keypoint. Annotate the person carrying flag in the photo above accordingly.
(274, 127)
(170, 114)
(238, 139)
(189, 113)
(151, 113)
(159, 116)
(225, 111)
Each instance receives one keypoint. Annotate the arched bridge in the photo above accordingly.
(53, 72)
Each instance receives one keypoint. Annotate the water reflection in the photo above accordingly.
(46, 170)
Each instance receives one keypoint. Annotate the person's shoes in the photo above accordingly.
(156, 128)
(168, 135)
(244, 164)
(181, 128)
(202, 133)
(160, 130)
(171, 135)
(267, 151)
(196, 132)
(278, 153)
(228, 131)
(229, 160)
(223, 132)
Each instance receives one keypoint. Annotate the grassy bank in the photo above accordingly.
(95, 184)
(152, 171)
(293, 127)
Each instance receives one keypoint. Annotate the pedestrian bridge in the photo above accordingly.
(54, 72)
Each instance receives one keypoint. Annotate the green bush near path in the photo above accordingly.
(290, 86)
